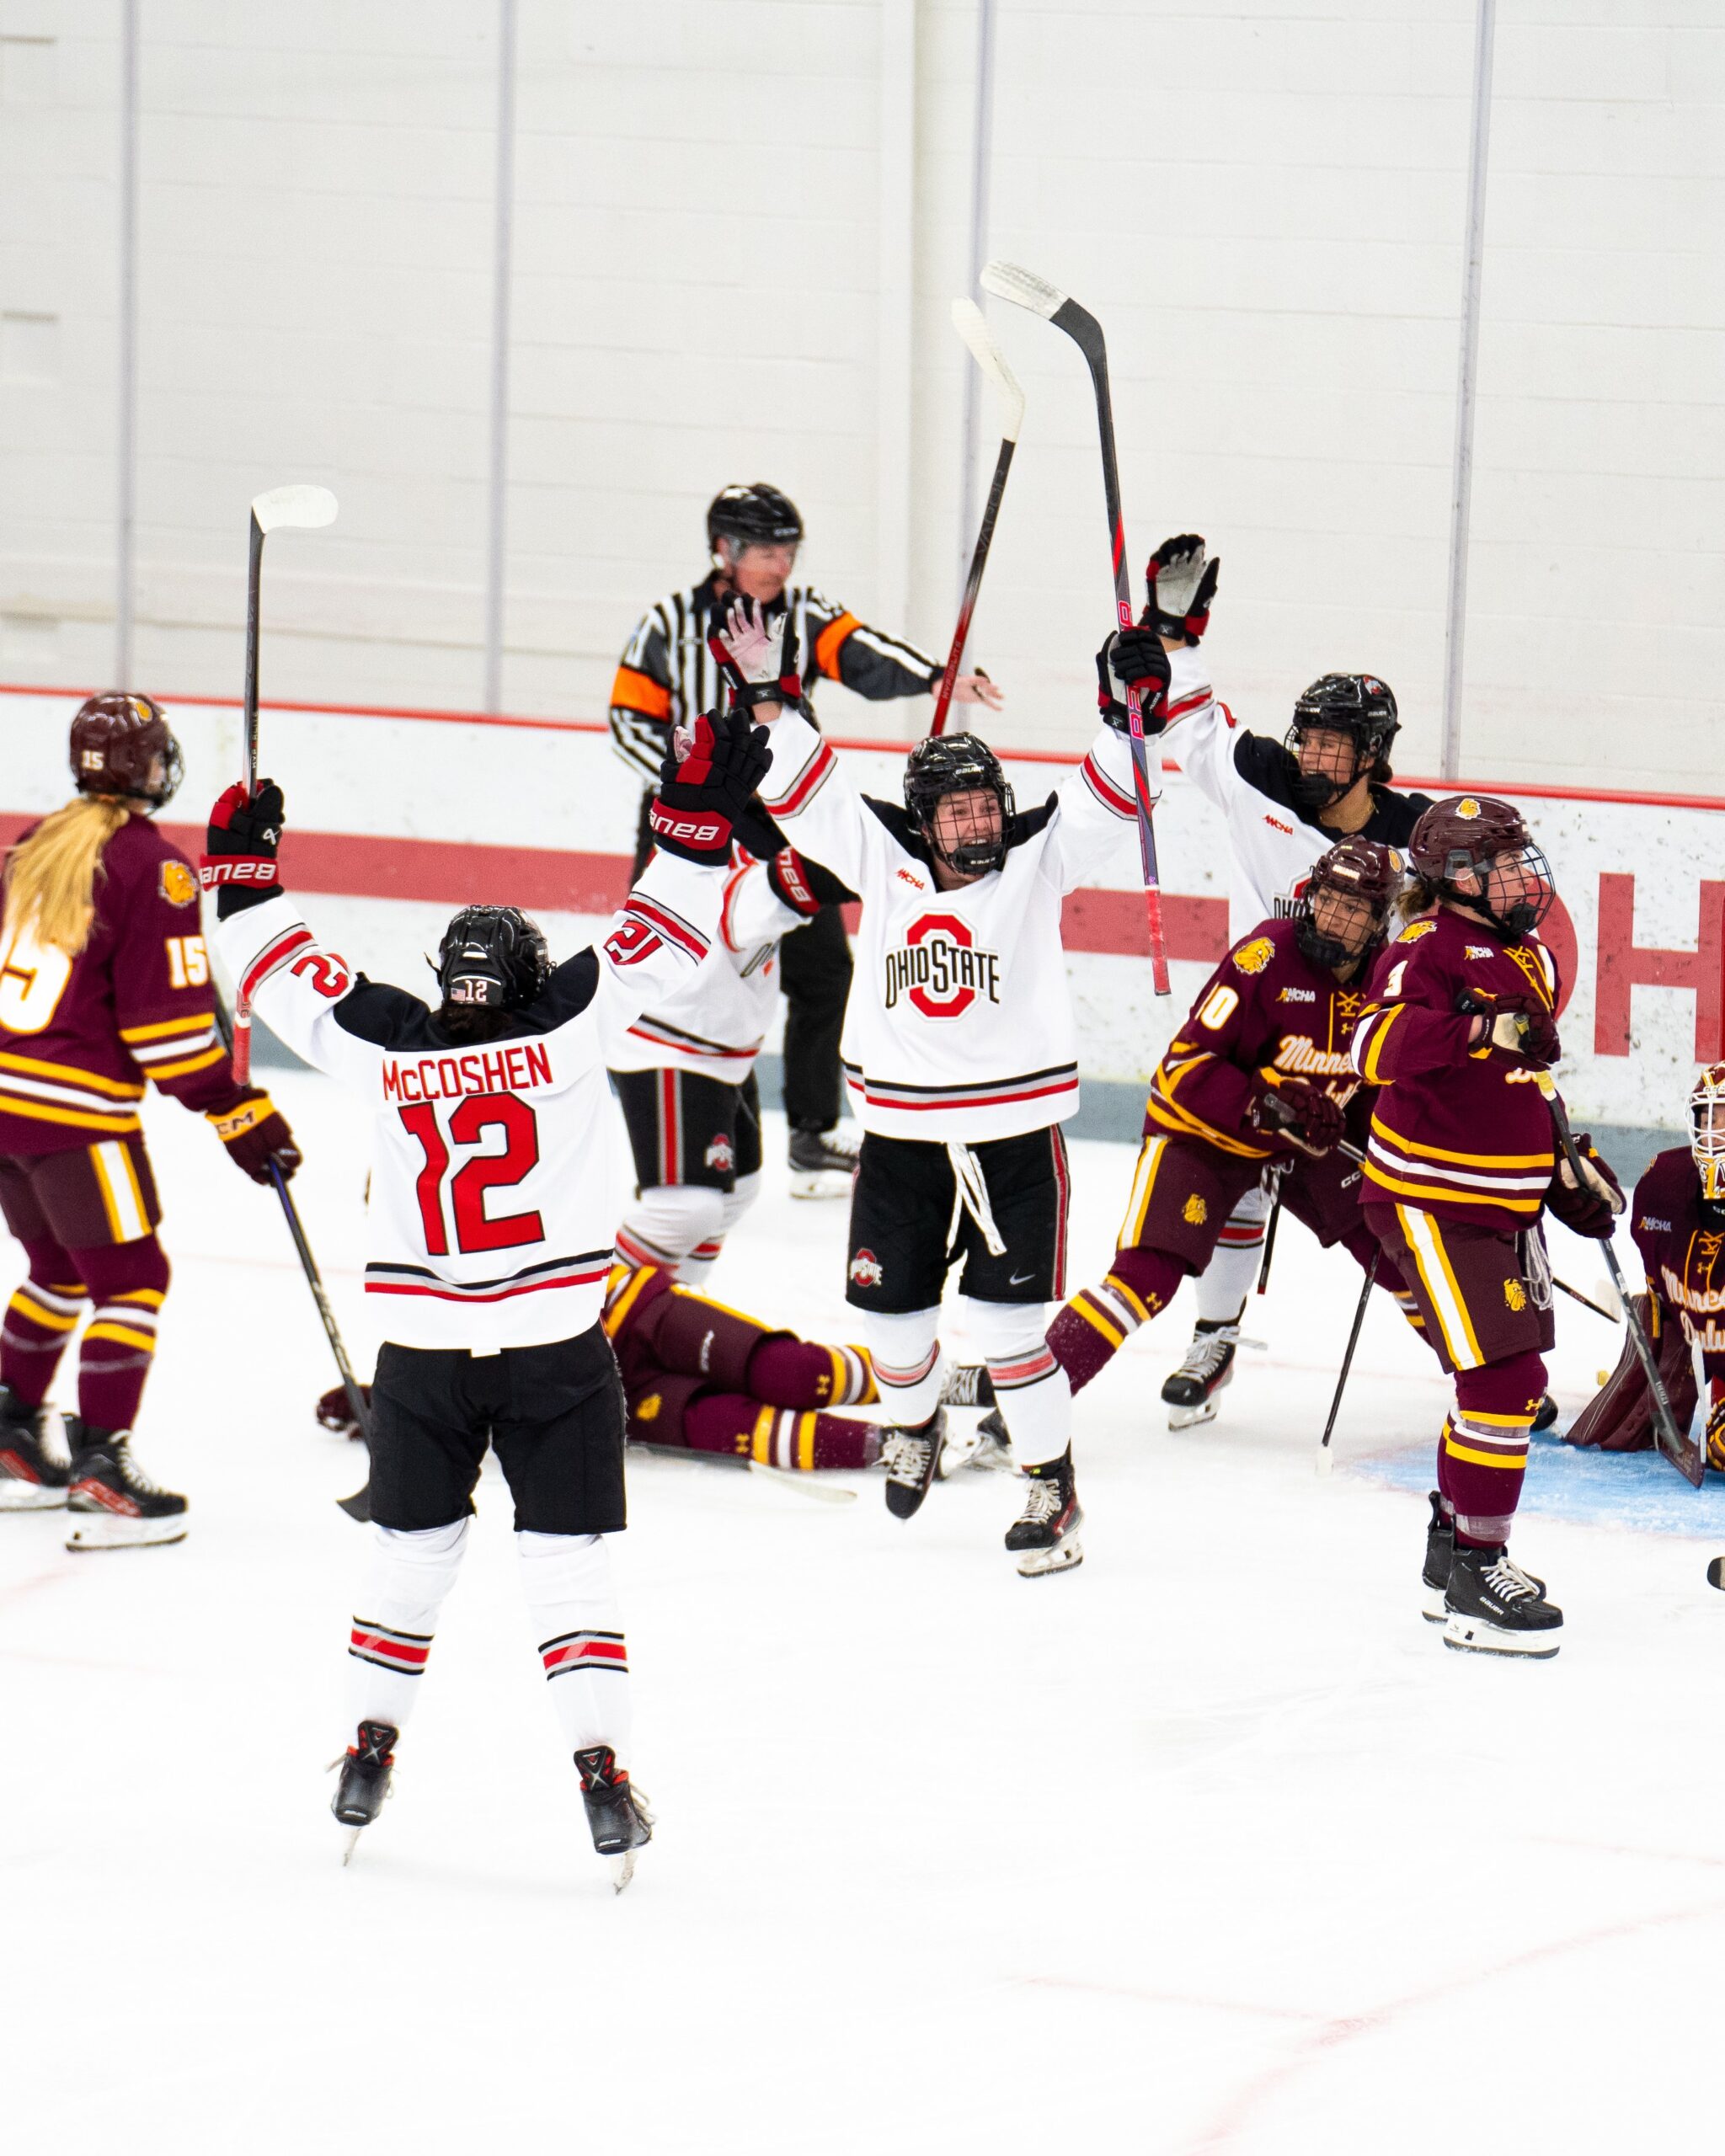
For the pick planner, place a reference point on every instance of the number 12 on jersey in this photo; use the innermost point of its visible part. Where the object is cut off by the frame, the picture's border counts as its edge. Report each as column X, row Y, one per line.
column 452, row 1192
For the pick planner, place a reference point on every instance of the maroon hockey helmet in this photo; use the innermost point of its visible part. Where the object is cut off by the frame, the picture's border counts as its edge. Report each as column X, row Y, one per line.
column 118, row 741
column 1473, row 835
column 1366, row 877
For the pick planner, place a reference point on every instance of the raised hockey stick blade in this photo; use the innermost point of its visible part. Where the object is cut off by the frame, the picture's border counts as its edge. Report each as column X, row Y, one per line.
column 306, row 509
column 967, row 319
column 1025, row 288
column 1325, row 1458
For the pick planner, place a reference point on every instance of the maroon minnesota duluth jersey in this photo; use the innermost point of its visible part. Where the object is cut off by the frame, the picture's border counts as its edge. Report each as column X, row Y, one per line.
column 79, row 1037
column 1266, row 1008
column 1682, row 1246
column 1463, row 1133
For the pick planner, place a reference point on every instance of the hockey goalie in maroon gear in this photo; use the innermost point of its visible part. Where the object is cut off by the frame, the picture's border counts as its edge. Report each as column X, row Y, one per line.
column 1677, row 1217
column 1459, row 1033
column 105, row 985
column 1258, row 1077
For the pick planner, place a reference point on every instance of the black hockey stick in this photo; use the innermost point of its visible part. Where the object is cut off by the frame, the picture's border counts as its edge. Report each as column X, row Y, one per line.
column 358, row 1505
column 966, row 318
column 1025, row 288
column 305, row 509
column 1325, row 1458
column 1269, row 1233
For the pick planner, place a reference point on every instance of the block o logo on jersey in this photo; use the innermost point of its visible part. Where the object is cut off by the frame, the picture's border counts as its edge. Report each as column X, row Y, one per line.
column 865, row 1269
column 180, row 886
column 940, row 972
column 719, row 1154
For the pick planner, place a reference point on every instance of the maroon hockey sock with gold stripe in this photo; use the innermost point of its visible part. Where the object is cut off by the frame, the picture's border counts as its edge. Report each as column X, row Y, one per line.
column 40, row 1321
column 1482, row 1453
column 791, row 1373
column 1086, row 1336
column 777, row 1437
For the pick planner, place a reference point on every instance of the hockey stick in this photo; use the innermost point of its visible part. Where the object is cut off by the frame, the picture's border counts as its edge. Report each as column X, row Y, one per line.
column 1023, row 288
column 1683, row 1453
column 967, row 319
column 305, row 509
column 357, row 1507
column 1269, row 1236
column 1325, row 1458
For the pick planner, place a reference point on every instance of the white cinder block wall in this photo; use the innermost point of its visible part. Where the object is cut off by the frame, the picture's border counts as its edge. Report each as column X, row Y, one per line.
column 1265, row 203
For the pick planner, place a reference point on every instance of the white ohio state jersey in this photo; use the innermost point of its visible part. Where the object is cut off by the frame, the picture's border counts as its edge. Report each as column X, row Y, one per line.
column 959, row 1024
column 714, row 1025
column 1272, row 842
column 490, row 1221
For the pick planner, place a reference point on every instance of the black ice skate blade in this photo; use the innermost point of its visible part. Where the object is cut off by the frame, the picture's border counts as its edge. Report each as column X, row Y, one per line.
column 1716, row 1572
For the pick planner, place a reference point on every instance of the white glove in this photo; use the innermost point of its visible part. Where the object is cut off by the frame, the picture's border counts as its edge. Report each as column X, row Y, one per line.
column 1178, row 579
column 1595, row 1180
column 756, row 644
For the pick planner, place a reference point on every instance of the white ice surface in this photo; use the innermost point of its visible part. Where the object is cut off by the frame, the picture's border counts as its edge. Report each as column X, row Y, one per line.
column 1209, row 1846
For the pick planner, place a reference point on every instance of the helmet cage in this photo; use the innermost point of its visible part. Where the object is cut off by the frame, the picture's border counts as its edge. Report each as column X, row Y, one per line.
column 1522, row 915
column 1706, row 1131
column 958, row 763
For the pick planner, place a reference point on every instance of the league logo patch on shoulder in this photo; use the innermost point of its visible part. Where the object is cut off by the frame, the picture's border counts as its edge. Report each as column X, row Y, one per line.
column 865, row 1269
column 1415, row 930
column 1253, row 957
column 720, row 1156
column 178, row 886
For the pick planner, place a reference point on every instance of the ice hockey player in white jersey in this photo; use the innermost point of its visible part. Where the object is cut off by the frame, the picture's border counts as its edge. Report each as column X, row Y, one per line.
column 685, row 1070
column 959, row 1048
column 1285, row 804
column 490, row 1231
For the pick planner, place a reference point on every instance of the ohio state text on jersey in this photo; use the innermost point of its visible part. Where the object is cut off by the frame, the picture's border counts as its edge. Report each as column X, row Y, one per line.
column 491, row 1216
column 959, row 1024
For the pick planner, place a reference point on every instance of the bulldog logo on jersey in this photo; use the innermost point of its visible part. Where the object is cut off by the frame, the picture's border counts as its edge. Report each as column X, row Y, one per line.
column 940, row 972
column 1514, row 1294
column 1253, row 957
column 865, row 1269
column 720, row 1155
column 180, row 886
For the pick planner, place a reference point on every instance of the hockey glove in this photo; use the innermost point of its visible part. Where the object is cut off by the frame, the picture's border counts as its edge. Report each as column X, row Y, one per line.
column 1590, row 1208
column 257, row 1137
column 1516, row 1023
column 239, row 857
column 1305, row 1116
column 804, row 886
column 1133, row 658
column 334, row 1412
column 761, row 646
column 1180, row 585
column 709, row 775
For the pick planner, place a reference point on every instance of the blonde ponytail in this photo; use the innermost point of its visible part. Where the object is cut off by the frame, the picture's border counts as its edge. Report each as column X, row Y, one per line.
column 50, row 879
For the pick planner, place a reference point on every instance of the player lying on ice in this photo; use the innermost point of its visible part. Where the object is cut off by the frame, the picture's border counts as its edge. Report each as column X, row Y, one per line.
column 104, row 985
column 1677, row 1216
column 1259, row 1077
column 490, row 1236
column 1458, row 1033
column 959, row 1046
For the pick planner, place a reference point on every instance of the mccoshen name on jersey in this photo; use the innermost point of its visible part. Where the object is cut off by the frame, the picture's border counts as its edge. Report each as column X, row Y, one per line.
column 513, row 1070
column 939, row 970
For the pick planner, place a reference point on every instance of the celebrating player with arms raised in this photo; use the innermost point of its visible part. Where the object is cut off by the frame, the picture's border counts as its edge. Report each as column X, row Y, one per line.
column 960, row 1046
column 491, row 1234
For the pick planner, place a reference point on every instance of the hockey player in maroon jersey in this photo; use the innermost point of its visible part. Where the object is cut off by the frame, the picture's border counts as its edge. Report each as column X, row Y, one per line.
column 1259, row 1074
column 1459, row 1032
column 1677, row 1216
column 105, row 985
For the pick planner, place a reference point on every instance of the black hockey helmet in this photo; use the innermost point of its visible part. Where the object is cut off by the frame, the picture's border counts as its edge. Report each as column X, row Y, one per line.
column 492, row 957
column 116, row 739
column 1473, row 834
column 1357, row 870
column 1358, row 705
column 958, row 763
column 754, row 515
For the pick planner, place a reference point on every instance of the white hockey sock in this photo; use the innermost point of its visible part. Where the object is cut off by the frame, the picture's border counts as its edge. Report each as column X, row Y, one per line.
column 566, row 1580
column 1231, row 1275
column 409, row 1574
column 677, row 1225
column 908, row 1365
column 693, row 1270
column 1031, row 1390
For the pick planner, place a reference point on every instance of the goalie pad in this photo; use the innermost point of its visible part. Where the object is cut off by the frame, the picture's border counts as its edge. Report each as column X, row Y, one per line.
column 1620, row 1416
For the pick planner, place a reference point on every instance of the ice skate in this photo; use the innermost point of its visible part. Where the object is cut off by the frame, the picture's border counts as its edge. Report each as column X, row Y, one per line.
column 31, row 1479
column 823, row 1164
column 113, row 1504
column 1440, row 1557
column 1493, row 1607
column 994, row 1446
column 912, row 1460
column 1045, row 1536
column 967, row 1385
column 1209, row 1365
column 616, row 1811
column 365, row 1776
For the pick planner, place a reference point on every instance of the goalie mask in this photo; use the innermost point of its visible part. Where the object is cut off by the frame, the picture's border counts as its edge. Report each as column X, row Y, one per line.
column 1472, row 835
column 493, row 958
column 948, row 764
column 1344, row 909
column 1706, row 1131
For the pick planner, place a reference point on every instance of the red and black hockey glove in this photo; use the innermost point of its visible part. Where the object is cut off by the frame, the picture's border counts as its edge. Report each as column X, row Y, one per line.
column 335, row 1411
column 1516, row 1023
column 1590, row 1207
column 1307, row 1117
column 709, row 775
column 804, row 886
column 256, row 1135
column 1133, row 658
column 238, row 861
column 1180, row 585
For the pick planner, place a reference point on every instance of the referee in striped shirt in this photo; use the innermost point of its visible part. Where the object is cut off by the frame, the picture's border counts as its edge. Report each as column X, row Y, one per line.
column 667, row 676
